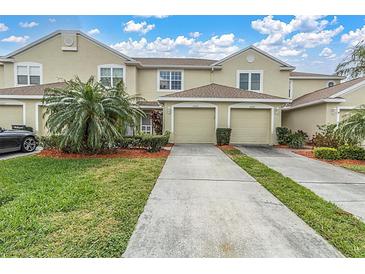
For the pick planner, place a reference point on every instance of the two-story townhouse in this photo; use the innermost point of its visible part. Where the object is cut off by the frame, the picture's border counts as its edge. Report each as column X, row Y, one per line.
column 245, row 91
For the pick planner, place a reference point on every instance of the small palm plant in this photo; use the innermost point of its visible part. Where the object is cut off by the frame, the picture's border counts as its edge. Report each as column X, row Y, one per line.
column 352, row 128
column 353, row 66
column 88, row 116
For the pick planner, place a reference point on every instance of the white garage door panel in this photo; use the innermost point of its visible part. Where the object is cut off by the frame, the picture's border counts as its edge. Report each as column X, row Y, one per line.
column 250, row 126
column 194, row 125
column 10, row 115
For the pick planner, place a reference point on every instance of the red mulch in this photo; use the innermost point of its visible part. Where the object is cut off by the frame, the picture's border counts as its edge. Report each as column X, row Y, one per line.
column 119, row 153
column 228, row 147
column 309, row 154
column 169, row 145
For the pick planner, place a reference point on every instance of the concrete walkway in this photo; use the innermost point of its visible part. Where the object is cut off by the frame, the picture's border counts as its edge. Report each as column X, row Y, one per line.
column 343, row 187
column 204, row 205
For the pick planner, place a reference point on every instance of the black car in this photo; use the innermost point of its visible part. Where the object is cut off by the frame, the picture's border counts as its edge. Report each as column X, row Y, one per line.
column 17, row 140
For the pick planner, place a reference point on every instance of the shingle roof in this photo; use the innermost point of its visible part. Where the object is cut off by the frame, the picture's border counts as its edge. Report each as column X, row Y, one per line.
column 30, row 90
column 175, row 61
column 309, row 74
column 219, row 91
column 324, row 93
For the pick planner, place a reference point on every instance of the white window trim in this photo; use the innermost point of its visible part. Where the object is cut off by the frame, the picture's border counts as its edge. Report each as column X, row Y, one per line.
column 112, row 66
column 28, row 64
column 170, row 90
column 291, row 89
column 261, row 72
column 193, row 105
column 142, row 125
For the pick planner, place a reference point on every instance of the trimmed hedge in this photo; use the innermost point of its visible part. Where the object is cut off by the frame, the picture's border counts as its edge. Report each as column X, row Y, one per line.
column 297, row 140
column 223, row 136
column 283, row 135
column 351, row 152
column 152, row 143
column 326, row 153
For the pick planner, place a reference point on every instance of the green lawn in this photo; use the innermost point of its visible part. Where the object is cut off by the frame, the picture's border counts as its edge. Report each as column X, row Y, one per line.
column 74, row 207
column 340, row 228
column 358, row 168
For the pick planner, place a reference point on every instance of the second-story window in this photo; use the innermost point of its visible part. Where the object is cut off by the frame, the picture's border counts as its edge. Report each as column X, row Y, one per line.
column 249, row 80
column 28, row 74
column 111, row 75
column 170, row 80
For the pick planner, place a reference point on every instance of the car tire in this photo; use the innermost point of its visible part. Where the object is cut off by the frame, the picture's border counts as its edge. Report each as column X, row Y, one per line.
column 29, row 144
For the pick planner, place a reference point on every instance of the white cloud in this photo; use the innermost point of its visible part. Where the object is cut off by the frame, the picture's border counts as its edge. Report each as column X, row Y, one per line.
column 334, row 20
column 3, row 27
column 353, row 37
column 141, row 27
column 52, row 20
column 215, row 47
column 93, row 31
column 16, row 39
column 195, row 34
column 155, row 16
column 293, row 38
column 28, row 25
column 327, row 53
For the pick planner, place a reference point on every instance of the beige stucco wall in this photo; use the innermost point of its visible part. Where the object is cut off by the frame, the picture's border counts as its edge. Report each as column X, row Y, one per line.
column 222, row 114
column 305, row 119
column 304, row 86
column 1, row 76
column 275, row 82
column 58, row 64
column 147, row 81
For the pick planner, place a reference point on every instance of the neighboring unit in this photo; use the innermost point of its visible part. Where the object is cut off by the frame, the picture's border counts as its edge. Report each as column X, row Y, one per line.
column 245, row 91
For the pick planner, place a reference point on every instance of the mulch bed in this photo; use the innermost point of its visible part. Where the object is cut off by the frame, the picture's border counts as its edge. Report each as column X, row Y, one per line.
column 227, row 147
column 309, row 153
column 119, row 153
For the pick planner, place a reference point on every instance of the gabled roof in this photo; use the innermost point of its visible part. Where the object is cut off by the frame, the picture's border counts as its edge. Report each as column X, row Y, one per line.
column 35, row 91
column 327, row 95
column 57, row 32
column 309, row 75
column 215, row 92
column 283, row 64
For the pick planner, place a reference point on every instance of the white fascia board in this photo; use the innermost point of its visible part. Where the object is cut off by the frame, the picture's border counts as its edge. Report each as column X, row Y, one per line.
column 180, row 67
column 328, row 100
column 150, row 107
column 352, row 88
column 6, row 60
column 21, row 96
column 196, row 99
column 317, row 77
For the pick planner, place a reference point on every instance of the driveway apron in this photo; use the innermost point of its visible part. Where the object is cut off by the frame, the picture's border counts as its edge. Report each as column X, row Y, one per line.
column 343, row 187
column 204, row 205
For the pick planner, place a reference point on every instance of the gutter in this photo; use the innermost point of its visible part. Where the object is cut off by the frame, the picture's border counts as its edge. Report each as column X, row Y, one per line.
column 198, row 99
column 321, row 101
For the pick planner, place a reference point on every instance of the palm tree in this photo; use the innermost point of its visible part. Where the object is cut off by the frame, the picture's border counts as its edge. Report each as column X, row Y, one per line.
column 89, row 116
column 353, row 66
column 352, row 128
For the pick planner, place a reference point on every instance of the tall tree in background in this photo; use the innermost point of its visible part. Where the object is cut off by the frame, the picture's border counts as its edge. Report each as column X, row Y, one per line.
column 353, row 66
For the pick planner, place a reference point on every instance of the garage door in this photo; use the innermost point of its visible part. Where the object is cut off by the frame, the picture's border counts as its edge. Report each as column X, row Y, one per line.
column 42, row 130
column 250, row 126
column 10, row 115
column 194, row 125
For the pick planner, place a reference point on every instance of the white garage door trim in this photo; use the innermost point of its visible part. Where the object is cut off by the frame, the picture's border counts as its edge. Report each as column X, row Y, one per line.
column 37, row 105
column 16, row 104
column 193, row 105
column 338, row 112
column 250, row 106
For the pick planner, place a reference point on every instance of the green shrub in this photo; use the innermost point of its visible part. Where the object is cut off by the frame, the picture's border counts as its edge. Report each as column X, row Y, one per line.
column 223, row 136
column 326, row 136
column 296, row 140
column 153, row 143
column 283, row 135
column 327, row 153
column 351, row 152
column 50, row 142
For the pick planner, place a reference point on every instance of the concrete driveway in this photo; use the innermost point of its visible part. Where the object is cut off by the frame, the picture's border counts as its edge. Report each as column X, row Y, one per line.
column 343, row 187
column 11, row 155
column 204, row 205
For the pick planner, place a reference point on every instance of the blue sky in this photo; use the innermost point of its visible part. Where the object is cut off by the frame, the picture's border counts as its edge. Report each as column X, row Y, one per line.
column 311, row 43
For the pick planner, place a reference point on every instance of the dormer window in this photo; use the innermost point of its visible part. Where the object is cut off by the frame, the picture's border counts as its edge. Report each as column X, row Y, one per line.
column 250, row 80
column 28, row 74
column 110, row 75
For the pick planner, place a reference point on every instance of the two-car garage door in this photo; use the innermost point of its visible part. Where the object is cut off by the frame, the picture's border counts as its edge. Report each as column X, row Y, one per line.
column 197, row 125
